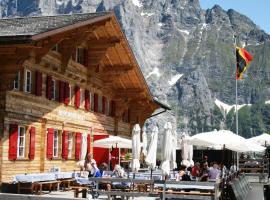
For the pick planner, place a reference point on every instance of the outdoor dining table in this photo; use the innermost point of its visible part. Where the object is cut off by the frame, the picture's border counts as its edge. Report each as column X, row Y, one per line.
column 31, row 178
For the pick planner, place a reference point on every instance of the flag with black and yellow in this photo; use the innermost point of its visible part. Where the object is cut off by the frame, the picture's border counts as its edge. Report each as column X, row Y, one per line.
column 243, row 58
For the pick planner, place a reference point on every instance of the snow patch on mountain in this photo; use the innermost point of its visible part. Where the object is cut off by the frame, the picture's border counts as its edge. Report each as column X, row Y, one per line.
column 154, row 72
column 174, row 79
column 226, row 108
column 267, row 102
column 137, row 3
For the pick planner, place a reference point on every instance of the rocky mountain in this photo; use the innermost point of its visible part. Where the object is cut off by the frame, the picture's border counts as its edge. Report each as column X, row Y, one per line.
column 187, row 56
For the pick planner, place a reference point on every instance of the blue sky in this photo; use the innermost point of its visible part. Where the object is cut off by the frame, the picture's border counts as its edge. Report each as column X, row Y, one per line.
column 257, row 10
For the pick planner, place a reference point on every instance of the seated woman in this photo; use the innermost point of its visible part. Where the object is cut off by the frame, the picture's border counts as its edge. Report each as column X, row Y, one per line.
column 118, row 172
column 96, row 171
column 182, row 175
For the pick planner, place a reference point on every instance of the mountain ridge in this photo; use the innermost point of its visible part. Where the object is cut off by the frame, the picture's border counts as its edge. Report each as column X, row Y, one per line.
column 177, row 37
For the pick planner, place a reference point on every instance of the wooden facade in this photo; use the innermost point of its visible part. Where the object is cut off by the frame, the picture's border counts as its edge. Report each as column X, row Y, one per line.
column 62, row 82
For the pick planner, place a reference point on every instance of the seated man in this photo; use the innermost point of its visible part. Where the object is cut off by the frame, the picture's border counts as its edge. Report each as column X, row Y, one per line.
column 85, row 166
column 214, row 172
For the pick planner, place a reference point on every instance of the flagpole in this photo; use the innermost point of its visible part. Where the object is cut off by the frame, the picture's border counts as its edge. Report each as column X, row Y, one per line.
column 236, row 104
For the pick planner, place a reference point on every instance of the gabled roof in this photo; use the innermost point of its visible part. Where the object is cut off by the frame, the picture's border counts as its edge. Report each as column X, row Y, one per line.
column 16, row 29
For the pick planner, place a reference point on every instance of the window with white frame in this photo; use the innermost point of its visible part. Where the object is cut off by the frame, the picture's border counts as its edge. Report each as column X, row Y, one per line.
column 91, row 101
column 28, row 81
column 82, row 98
column 55, row 143
column 70, row 144
column 53, row 89
column 79, row 55
column 16, row 82
column 21, row 142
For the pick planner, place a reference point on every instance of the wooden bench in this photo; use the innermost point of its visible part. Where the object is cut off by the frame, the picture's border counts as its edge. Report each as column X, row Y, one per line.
column 50, row 184
column 79, row 189
column 66, row 183
column 25, row 186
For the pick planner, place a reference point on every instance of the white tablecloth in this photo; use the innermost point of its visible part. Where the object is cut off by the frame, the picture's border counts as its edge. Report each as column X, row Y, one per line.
column 182, row 186
column 64, row 175
column 34, row 177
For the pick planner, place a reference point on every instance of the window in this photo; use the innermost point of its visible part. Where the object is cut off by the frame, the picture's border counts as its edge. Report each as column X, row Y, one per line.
column 21, row 142
column 70, row 95
column 55, row 143
column 70, row 144
column 100, row 104
column 53, row 89
column 28, row 81
column 82, row 98
column 79, row 55
column 91, row 101
column 56, row 48
column 107, row 112
column 16, row 82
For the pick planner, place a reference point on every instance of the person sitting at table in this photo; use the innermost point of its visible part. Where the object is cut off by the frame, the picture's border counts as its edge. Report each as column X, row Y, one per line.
column 214, row 172
column 182, row 175
column 195, row 171
column 103, row 167
column 96, row 171
column 86, row 166
column 204, row 171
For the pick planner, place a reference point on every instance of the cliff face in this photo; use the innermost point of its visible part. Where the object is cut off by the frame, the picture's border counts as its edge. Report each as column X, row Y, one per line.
column 186, row 55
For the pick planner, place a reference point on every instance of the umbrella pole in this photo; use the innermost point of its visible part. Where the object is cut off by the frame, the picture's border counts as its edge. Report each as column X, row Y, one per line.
column 151, row 173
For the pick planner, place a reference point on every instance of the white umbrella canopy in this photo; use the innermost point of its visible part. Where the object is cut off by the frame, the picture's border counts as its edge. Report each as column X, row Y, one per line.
column 263, row 139
column 144, row 143
column 185, row 149
column 167, row 149
column 173, row 154
column 152, row 150
column 224, row 138
column 136, row 147
column 113, row 141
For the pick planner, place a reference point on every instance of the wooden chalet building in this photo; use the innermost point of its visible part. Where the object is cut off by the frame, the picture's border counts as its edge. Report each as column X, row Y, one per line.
column 63, row 78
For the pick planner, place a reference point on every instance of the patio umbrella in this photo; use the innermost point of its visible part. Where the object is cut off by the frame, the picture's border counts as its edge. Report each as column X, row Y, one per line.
column 136, row 147
column 152, row 150
column 167, row 149
column 185, row 150
column 144, row 143
column 84, row 146
column 263, row 139
column 224, row 138
column 190, row 155
column 113, row 141
column 173, row 155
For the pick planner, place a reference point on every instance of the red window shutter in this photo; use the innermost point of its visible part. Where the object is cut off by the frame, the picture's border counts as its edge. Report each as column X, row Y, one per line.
column 61, row 91
column 13, row 141
column 87, row 100
column 112, row 108
column 66, row 93
column 77, row 97
column 49, row 87
column 38, row 88
column 32, row 143
column 95, row 102
column 88, row 143
column 65, row 145
column 104, row 105
column 78, row 142
column 50, row 143
column 85, row 53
